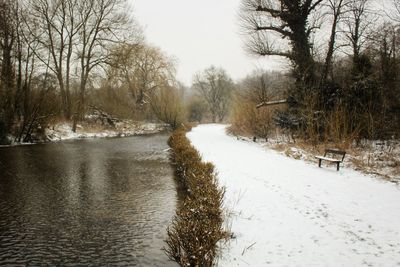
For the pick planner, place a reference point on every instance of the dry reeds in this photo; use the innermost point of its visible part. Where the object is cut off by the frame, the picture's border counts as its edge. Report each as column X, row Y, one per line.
column 197, row 226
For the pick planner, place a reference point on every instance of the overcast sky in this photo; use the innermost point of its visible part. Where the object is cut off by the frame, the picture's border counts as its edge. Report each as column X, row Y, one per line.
column 198, row 33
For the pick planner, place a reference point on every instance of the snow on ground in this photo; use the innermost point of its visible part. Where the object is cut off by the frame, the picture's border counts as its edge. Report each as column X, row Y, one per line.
column 286, row 212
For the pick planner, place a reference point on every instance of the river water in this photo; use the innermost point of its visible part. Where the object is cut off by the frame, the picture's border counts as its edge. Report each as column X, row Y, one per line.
column 100, row 202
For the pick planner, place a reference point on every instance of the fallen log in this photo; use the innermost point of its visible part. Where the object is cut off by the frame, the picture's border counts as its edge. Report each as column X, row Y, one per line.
column 271, row 103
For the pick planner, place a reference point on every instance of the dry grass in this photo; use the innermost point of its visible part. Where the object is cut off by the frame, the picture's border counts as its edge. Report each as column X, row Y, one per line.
column 381, row 158
column 197, row 226
column 382, row 161
column 247, row 119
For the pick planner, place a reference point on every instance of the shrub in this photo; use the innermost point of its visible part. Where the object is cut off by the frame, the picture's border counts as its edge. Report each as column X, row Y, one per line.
column 197, row 226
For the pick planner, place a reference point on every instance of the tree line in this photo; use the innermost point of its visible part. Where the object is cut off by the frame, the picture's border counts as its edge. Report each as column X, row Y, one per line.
column 344, row 77
column 58, row 57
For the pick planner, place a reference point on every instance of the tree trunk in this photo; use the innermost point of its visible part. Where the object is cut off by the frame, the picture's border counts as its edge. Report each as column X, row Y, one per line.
column 332, row 40
column 7, row 78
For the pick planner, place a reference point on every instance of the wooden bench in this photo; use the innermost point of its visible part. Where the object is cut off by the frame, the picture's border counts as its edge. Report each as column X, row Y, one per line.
column 332, row 159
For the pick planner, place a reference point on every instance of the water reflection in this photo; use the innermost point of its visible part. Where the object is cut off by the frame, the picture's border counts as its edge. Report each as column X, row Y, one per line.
column 95, row 202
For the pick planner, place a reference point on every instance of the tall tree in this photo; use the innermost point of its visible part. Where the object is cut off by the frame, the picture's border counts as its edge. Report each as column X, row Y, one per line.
column 336, row 10
column 289, row 20
column 142, row 69
column 358, row 23
column 385, row 45
column 58, row 28
column 7, row 75
column 105, row 23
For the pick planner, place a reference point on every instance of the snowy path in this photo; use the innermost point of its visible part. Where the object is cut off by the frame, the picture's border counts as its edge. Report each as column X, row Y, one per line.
column 289, row 213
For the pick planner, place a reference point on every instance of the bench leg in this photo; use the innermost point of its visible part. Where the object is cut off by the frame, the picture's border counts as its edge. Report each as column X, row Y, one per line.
column 319, row 163
column 337, row 166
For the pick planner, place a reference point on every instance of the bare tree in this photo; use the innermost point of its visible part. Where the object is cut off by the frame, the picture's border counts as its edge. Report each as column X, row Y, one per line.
column 7, row 43
column 79, row 35
column 58, row 29
column 26, row 50
column 215, row 88
column 385, row 47
column 336, row 8
column 104, row 23
column 269, row 21
column 393, row 12
column 357, row 25
column 263, row 86
column 18, row 63
column 142, row 69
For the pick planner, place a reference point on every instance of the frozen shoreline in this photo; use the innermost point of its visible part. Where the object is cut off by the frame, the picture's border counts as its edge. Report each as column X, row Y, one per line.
column 287, row 212
column 63, row 132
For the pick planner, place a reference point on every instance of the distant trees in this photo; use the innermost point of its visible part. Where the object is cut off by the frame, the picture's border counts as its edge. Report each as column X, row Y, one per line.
column 196, row 108
column 215, row 87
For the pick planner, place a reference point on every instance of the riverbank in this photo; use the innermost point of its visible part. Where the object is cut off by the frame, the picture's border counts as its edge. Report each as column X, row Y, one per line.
column 285, row 212
column 62, row 131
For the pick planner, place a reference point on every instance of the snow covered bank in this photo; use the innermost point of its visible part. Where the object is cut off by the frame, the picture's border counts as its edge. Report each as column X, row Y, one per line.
column 287, row 212
column 63, row 131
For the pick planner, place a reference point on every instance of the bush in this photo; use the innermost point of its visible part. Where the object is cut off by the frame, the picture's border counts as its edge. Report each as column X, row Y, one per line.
column 197, row 226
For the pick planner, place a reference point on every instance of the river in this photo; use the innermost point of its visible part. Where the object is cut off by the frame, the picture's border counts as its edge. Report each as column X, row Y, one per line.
column 99, row 202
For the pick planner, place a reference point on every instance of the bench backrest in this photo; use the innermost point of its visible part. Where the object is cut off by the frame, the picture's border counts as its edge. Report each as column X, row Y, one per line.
column 335, row 152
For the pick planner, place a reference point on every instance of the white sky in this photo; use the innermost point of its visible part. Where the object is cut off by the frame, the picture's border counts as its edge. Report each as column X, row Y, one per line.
column 198, row 33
